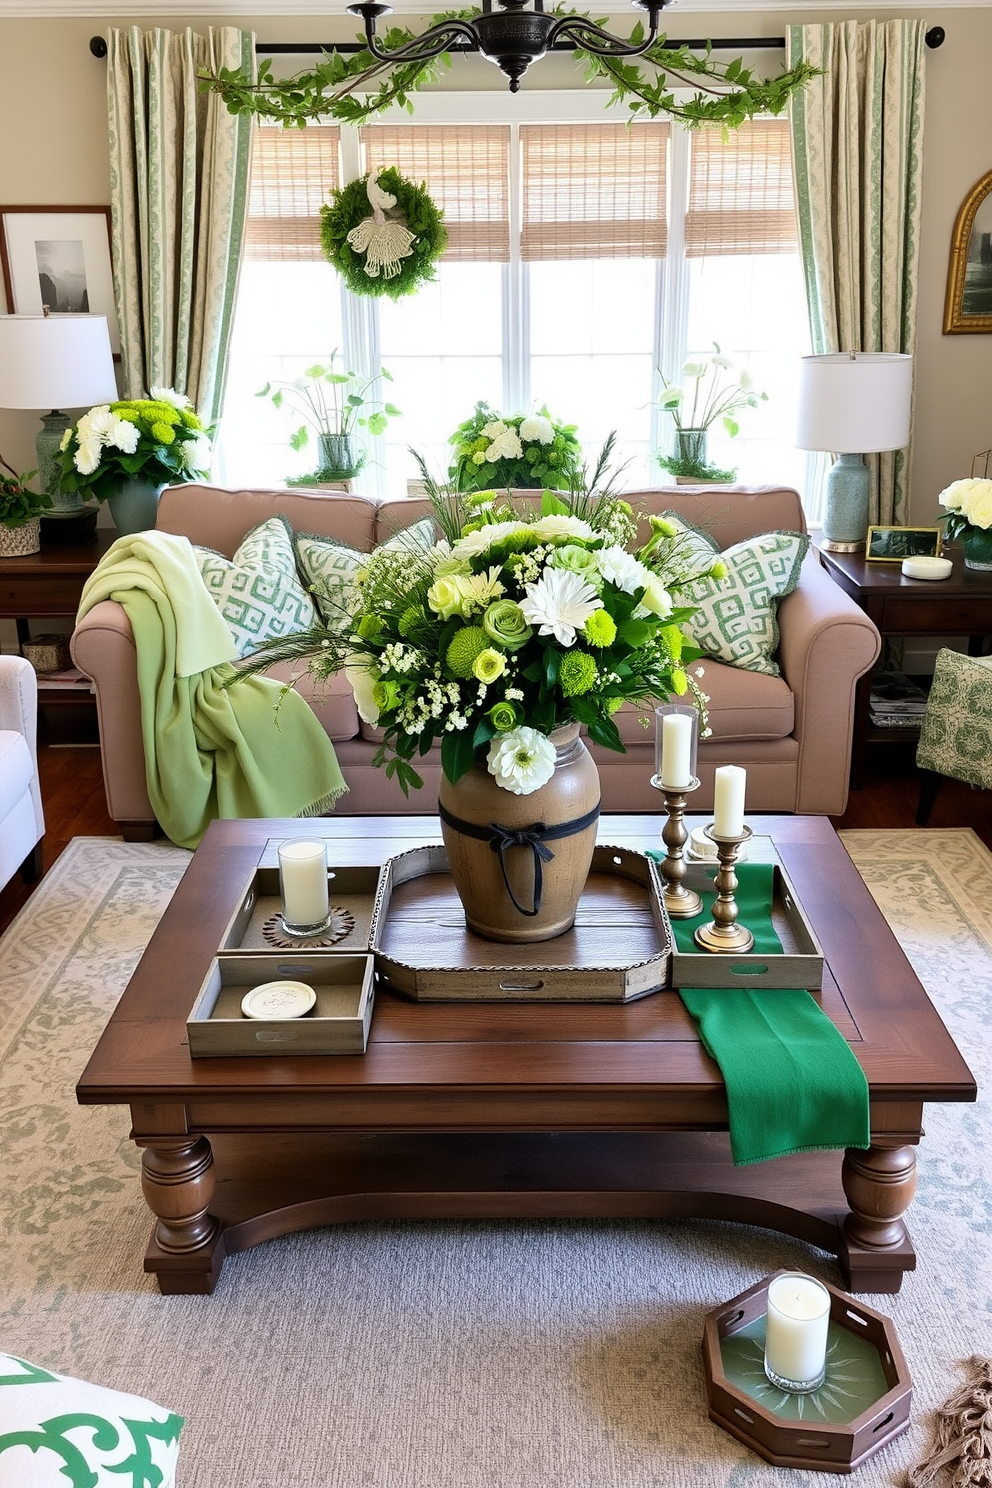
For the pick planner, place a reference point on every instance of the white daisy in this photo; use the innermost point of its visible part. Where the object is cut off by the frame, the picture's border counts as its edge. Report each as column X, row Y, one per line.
column 522, row 760
column 169, row 395
column 559, row 603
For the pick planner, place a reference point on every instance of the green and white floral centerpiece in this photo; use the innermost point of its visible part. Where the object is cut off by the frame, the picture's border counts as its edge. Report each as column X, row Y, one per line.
column 705, row 396
column 528, row 618
column 525, row 451
column 969, row 518
column 126, row 453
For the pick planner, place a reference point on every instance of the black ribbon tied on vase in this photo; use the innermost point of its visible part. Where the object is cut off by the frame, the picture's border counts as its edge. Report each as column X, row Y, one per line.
column 536, row 836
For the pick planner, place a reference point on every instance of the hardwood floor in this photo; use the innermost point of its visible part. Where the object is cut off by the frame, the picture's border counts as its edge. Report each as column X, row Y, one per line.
column 75, row 805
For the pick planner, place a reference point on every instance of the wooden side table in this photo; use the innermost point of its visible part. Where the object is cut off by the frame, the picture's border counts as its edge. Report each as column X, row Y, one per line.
column 49, row 585
column 958, row 606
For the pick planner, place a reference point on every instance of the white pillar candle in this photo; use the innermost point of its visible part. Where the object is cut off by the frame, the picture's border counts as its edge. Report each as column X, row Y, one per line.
column 796, row 1329
column 676, row 750
column 728, row 800
column 303, row 881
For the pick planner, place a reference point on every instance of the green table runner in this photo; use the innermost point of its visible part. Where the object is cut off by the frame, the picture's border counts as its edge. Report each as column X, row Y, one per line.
column 793, row 1083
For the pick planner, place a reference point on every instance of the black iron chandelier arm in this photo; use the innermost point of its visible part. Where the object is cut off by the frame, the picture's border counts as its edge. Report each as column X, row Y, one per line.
column 422, row 48
column 589, row 37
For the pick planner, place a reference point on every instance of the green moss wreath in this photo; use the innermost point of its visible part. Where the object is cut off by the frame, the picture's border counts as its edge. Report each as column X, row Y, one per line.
column 350, row 207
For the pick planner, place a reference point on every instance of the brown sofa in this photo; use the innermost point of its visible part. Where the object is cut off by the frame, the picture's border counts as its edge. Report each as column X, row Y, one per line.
column 792, row 733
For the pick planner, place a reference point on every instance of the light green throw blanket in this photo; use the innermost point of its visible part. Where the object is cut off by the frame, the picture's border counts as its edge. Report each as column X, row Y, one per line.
column 210, row 751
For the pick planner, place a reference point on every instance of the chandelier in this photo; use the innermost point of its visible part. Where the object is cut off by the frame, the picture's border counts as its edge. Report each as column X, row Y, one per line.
column 513, row 36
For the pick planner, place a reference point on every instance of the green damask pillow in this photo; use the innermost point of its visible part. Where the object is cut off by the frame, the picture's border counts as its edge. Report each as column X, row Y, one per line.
column 737, row 617
column 258, row 591
column 54, row 1429
column 330, row 569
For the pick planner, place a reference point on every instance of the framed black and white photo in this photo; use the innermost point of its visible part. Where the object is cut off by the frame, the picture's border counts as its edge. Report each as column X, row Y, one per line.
column 58, row 258
column 893, row 544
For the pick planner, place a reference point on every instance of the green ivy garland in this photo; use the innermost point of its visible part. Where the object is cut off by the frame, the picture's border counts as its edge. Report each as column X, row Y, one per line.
column 355, row 88
column 350, row 206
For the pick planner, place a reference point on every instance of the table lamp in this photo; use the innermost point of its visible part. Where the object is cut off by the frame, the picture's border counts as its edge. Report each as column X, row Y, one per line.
column 853, row 404
column 55, row 362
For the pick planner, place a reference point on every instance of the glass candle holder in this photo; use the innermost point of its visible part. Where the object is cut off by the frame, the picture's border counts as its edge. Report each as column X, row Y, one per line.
column 796, row 1333
column 303, row 886
column 676, row 739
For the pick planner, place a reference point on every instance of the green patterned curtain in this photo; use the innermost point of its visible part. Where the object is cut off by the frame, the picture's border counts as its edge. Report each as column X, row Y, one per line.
column 857, row 134
column 179, row 189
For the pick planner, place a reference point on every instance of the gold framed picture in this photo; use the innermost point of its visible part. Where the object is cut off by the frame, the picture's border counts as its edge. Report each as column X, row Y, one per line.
column 968, row 303
column 893, row 544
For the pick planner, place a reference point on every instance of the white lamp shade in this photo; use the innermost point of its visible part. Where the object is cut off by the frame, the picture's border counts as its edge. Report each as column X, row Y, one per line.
column 855, row 404
column 55, row 361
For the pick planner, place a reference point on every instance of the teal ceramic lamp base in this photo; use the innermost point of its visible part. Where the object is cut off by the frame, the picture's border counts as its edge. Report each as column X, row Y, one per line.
column 845, row 517
column 47, row 442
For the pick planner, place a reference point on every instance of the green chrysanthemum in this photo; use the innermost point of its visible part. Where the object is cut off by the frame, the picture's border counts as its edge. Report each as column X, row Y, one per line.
column 409, row 620
column 466, row 645
column 680, row 682
column 576, row 673
column 600, row 629
column 674, row 640
column 164, row 433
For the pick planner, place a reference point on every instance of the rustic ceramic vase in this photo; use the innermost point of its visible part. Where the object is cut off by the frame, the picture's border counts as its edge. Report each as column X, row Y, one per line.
column 519, row 880
column 977, row 545
column 134, row 507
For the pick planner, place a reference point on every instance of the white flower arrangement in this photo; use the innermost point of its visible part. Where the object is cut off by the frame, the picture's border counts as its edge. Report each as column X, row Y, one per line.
column 969, row 504
column 160, row 439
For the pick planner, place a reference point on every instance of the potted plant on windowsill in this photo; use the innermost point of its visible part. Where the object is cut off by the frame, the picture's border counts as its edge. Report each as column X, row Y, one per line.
column 20, row 513
column 332, row 405
column 703, row 399
column 523, row 451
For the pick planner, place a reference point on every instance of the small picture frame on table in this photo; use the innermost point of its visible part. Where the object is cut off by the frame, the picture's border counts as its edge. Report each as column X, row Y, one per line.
column 893, row 544
column 56, row 260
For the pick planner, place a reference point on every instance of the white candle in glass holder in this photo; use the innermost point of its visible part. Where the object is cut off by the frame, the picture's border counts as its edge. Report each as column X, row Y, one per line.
column 728, row 800
column 303, row 881
column 796, row 1329
column 676, row 750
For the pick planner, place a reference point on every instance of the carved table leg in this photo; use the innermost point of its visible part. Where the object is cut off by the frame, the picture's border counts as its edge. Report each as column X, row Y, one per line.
column 879, row 1182
column 177, row 1178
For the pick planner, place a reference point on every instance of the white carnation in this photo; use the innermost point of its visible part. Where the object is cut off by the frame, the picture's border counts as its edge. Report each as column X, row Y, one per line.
column 122, row 435
column 87, row 456
column 624, row 570
column 196, row 453
column 522, row 760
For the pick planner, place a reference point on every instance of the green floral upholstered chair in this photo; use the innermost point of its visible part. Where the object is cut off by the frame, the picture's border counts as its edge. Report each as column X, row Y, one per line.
column 956, row 737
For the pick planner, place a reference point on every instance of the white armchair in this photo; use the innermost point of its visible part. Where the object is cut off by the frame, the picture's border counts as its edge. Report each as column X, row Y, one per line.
column 22, row 822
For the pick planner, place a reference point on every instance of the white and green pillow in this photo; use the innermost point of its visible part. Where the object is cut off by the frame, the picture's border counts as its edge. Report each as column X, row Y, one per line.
column 737, row 617
column 258, row 591
column 54, row 1429
column 330, row 569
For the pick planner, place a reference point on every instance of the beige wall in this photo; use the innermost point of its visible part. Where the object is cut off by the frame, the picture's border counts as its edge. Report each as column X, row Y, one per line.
column 53, row 150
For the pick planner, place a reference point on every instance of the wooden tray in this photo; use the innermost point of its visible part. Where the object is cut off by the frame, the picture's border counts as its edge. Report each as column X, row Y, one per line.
column 618, row 949
column 800, row 963
column 352, row 890
column 338, row 1024
column 864, row 1401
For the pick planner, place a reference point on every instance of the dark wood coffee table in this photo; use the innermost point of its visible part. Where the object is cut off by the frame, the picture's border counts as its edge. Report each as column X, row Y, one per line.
column 502, row 1110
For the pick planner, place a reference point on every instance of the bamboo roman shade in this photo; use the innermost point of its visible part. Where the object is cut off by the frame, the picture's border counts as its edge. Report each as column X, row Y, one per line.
column 293, row 172
column 594, row 190
column 466, row 169
column 741, row 194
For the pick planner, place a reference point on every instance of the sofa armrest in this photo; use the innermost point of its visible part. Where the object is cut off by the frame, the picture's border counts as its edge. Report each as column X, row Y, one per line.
column 826, row 644
column 102, row 646
column 19, row 715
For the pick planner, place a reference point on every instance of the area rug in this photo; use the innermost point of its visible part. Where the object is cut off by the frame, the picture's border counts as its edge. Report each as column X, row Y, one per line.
column 444, row 1355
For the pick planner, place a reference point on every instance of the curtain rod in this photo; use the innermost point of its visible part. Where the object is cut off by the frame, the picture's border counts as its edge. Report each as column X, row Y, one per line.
column 934, row 38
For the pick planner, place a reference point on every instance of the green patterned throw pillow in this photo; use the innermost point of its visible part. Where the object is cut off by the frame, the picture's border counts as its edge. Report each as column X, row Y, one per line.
column 737, row 617
column 54, row 1429
column 258, row 591
column 330, row 569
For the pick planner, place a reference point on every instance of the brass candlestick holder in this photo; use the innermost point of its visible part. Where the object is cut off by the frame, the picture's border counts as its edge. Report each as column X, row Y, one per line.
column 723, row 932
column 681, row 903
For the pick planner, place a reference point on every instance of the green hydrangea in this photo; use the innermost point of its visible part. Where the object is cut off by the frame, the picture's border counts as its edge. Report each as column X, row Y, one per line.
column 600, row 629
column 465, row 646
column 576, row 673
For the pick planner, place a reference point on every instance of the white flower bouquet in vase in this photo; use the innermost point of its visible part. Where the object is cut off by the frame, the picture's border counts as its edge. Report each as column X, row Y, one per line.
column 706, row 396
column 969, row 519
column 528, row 619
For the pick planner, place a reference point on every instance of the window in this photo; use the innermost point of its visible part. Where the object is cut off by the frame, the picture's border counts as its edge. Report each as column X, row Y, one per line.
column 583, row 256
